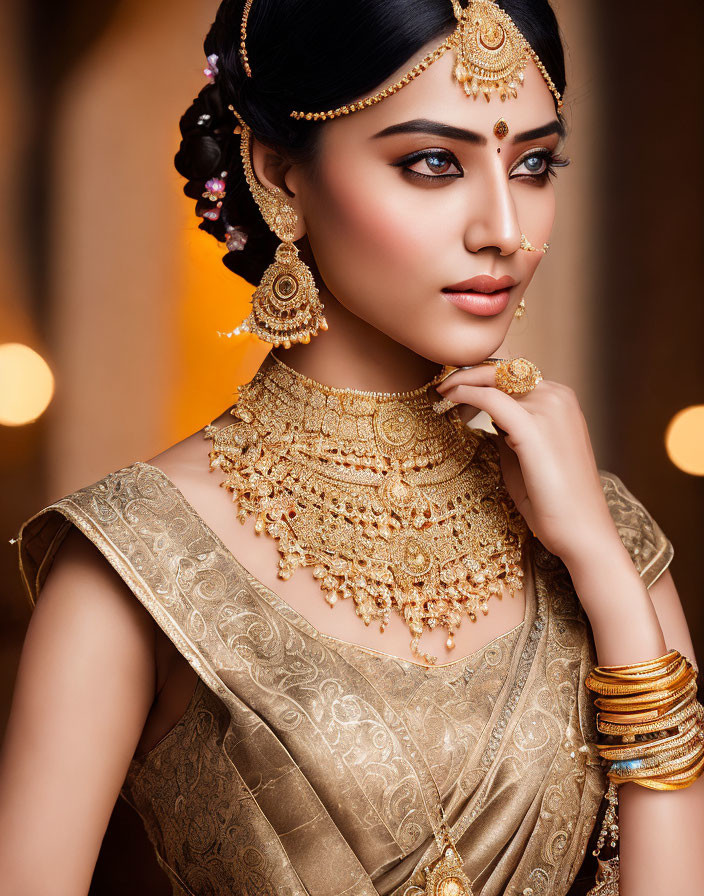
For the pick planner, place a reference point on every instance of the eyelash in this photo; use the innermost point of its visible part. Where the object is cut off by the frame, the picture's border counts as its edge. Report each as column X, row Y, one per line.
column 552, row 159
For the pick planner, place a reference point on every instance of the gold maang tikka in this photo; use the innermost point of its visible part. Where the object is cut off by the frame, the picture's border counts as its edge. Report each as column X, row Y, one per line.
column 490, row 54
column 286, row 306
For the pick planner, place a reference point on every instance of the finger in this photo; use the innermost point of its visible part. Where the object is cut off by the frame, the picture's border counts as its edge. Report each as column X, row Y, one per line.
column 507, row 413
column 466, row 411
column 486, row 376
column 478, row 375
column 487, row 361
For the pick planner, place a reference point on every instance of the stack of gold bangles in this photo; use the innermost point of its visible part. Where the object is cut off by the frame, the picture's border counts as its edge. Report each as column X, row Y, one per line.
column 655, row 723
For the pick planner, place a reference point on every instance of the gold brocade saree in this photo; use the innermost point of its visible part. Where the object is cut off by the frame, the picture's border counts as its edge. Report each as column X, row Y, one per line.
column 301, row 765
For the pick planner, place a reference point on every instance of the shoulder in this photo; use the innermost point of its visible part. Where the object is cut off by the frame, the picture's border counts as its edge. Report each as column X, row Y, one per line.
column 186, row 463
column 85, row 682
column 92, row 532
column 83, row 590
column 646, row 542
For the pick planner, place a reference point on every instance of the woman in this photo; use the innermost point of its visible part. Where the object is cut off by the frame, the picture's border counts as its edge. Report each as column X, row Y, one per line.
column 381, row 172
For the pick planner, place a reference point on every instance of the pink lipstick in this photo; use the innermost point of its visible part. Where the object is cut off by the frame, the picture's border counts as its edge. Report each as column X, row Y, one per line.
column 483, row 295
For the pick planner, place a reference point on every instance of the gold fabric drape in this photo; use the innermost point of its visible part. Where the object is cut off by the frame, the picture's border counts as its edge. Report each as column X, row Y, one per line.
column 301, row 765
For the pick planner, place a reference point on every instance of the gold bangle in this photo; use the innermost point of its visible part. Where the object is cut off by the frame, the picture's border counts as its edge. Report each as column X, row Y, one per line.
column 633, row 703
column 682, row 670
column 679, row 762
column 677, row 781
column 685, row 709
column 647, row 747
column 666, row 706
column 645, row 665
column 617, row 672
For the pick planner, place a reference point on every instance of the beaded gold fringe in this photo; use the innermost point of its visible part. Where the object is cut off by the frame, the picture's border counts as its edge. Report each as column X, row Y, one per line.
column 391, row 504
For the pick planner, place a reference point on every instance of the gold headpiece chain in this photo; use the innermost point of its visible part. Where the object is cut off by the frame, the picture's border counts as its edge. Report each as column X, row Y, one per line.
column 490, row 54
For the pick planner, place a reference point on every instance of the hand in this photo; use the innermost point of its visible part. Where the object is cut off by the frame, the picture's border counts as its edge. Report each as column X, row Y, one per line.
column 546, row 458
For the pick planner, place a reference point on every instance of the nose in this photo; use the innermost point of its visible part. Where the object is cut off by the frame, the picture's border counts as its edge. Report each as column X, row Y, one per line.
column 493, row 220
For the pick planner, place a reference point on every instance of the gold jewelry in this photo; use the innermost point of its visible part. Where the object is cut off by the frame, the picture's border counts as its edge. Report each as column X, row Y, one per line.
column 527, row 245
column 448, row 369
column 517, row 375
column 444, row 405
column 645, row 699
column 501, row 129
column 444, row 876
column 490, row 54
column 447, row 878
column 286, row 306
column 391, row 504
column 521, row 309
column 243, row 39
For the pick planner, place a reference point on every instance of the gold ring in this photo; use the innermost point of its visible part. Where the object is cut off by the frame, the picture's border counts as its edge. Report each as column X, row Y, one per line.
column 448, row 370
column 517, row 375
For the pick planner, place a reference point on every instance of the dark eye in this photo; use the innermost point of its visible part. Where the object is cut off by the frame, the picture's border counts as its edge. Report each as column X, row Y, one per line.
column 439, row 161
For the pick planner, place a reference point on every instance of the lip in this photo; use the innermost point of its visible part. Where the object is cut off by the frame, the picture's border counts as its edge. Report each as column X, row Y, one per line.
column 484, row 283
column 483, row 295
column 480, row 303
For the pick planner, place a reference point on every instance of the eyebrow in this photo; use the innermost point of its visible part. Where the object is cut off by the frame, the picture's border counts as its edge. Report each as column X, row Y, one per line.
column 438, row 129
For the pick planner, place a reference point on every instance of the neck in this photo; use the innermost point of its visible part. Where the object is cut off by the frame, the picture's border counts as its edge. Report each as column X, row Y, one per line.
column 353, row 354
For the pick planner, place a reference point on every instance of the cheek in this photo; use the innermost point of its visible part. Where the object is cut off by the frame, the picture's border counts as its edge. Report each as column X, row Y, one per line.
column 361, row 223
column 535, row 209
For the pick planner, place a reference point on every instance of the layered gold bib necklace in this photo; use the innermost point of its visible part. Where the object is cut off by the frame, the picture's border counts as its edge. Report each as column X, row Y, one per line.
column 392, row 504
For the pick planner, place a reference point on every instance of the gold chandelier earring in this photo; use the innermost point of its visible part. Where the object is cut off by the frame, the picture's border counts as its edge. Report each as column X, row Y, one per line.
column 286, row 306
column 521, row 309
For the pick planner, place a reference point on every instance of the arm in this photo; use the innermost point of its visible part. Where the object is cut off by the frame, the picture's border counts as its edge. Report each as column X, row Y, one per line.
column 550, row 472
column 85, row 683
column 660, row 832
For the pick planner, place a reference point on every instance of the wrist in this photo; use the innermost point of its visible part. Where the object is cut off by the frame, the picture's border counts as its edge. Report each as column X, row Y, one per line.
column 604, row 576
column 621, row 614
column 602, row 543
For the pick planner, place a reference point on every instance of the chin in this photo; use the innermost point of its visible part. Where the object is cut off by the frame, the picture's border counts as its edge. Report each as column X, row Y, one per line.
column 454, row 351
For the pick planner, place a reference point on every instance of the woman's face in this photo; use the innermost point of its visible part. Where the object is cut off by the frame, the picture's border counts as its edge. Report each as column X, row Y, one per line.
column 417, row 194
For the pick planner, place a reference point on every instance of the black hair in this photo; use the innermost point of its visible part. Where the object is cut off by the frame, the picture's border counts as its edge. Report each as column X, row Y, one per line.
column 309, row 55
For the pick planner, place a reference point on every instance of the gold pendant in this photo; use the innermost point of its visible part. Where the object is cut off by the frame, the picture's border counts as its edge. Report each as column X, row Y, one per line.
column 447, row 877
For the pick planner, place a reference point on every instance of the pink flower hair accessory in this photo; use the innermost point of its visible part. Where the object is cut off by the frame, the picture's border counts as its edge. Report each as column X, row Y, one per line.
column 215, row 189
column 212, row 68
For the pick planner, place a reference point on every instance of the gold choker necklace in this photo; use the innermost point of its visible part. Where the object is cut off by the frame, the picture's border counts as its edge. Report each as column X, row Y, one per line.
column 392, row 504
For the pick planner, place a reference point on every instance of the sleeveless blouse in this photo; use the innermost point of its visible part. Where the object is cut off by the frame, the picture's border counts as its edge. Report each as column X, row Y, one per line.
column 302, row 765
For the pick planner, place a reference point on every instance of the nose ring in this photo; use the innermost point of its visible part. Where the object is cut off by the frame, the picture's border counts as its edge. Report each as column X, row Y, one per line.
column 526, row 244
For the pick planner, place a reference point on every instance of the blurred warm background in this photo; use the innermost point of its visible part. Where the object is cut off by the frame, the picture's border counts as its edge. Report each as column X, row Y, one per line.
column 111, row 297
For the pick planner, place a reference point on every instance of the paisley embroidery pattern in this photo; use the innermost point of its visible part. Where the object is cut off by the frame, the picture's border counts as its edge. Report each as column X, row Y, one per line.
column 301, row 763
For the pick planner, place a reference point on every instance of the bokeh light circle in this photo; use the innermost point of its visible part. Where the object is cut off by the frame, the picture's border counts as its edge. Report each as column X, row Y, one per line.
column 684, row 440
column 26, row 384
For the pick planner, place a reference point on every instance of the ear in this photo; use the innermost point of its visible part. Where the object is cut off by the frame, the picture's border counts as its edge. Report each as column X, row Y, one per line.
column 271, row 169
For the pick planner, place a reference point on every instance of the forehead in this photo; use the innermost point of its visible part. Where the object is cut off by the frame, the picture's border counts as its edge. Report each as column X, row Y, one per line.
column 436, row 94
